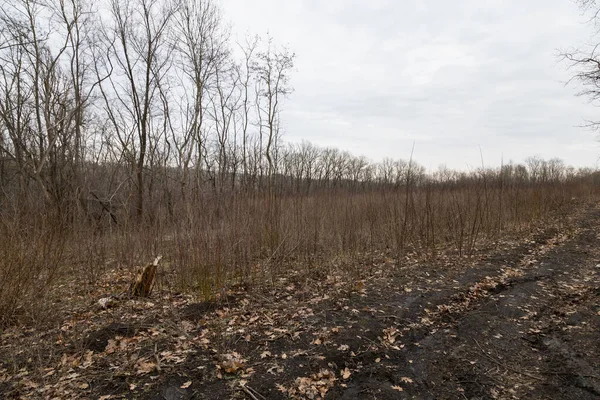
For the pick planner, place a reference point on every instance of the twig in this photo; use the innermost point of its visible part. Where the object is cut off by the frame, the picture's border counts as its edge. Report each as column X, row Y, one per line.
column 255, row 392
column 248, row 390
column 157, row 358
column 506, row 366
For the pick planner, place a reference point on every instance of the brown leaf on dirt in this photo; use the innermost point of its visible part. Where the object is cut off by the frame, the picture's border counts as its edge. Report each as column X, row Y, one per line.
column 87, row 359
column 231, row 363
column 111, row 347
column 345, row 373
column 265, row 354
column 186, row 385
column 314, row 387
column 70, row 361
column 144, row 366
column 390, row 335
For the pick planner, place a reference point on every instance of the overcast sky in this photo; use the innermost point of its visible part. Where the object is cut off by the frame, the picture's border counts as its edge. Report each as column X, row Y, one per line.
column 372, row 77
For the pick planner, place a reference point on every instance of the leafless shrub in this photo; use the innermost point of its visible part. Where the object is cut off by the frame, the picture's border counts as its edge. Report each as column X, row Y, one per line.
column 135, row 128
column 31, row 257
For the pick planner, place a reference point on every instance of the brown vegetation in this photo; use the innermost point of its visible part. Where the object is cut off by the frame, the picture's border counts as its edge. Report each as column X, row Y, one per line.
column 135, row 128
column 139, row 130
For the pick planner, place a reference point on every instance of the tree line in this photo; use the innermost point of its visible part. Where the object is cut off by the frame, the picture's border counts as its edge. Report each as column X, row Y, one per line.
column 144, row 85
column 149, row 104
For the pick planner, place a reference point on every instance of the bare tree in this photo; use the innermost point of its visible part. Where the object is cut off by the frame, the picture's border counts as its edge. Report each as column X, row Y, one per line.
column 138, row 59
column 244, row 71
column 535, row 167
column 590, row 6
column 201, row 49
column 586, row 62
column 224, row 104
column 272, row 69
column 45, row 90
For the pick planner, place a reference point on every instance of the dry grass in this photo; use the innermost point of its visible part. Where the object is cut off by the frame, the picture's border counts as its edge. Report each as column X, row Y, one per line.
column 242, row 237
column 31, row 256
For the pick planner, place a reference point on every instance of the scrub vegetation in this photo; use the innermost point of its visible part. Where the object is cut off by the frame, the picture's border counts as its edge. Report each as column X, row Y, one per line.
column 134, row 130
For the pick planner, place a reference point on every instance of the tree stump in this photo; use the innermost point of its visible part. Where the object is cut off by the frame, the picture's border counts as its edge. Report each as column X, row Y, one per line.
column 144, row 282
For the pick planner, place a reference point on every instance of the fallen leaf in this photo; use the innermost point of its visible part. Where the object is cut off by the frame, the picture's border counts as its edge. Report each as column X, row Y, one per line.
column 345, row 373
column 186, row 385
column 111, row 346
column 144, row 367
column 87, row 359
column 231, row 363
column 313, row 387
column 281, row 388
column 390, row 334
column 398, row 388
column 29, row 384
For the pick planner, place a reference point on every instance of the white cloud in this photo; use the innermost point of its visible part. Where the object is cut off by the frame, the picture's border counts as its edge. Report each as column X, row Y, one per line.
column 374, row 77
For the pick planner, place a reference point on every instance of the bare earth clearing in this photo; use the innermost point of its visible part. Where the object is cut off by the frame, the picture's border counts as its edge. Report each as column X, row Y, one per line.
column 521, row 320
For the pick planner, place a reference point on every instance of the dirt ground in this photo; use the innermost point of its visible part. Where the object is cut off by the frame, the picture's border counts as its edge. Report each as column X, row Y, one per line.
column 518, row 321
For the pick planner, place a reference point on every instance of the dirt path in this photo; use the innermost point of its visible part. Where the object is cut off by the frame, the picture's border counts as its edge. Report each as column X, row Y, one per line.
column 521, row 322
column 536, row 334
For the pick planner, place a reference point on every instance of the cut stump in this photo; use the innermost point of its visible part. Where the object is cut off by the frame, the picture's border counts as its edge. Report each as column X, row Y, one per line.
column 144, row 282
